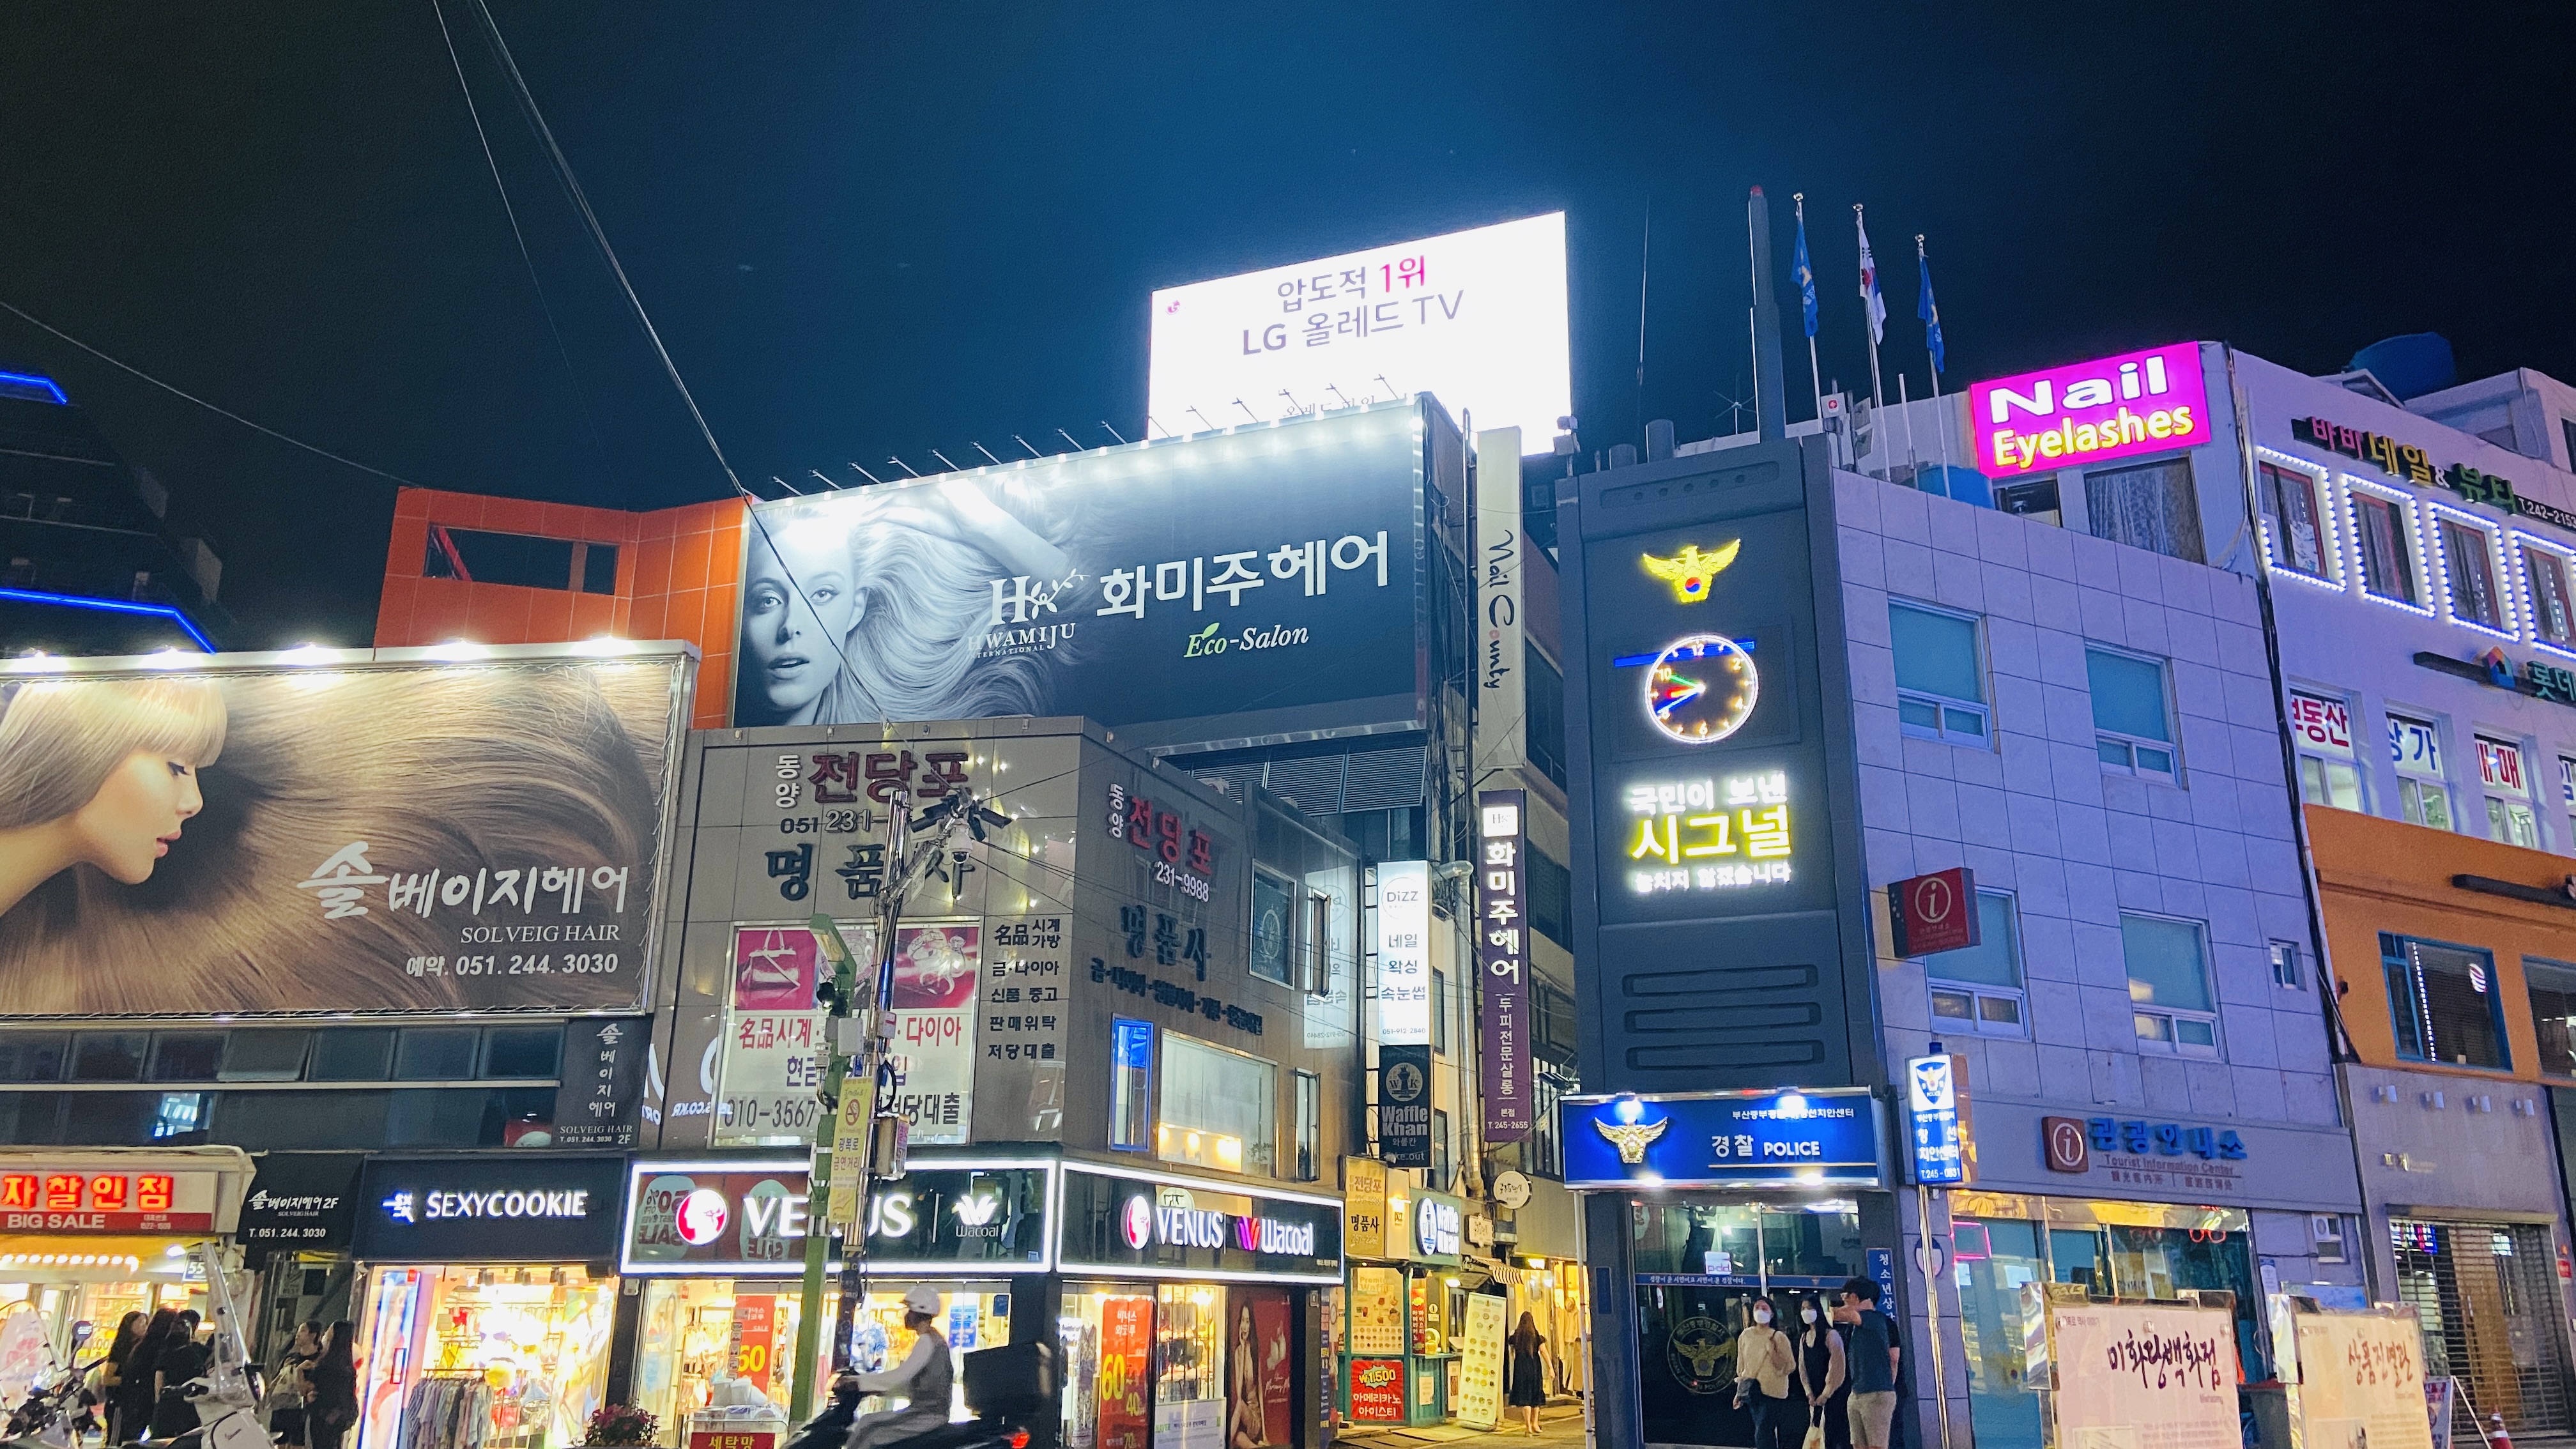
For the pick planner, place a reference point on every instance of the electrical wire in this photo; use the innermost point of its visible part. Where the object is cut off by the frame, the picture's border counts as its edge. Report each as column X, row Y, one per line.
column 840, row 646
column 127, row 367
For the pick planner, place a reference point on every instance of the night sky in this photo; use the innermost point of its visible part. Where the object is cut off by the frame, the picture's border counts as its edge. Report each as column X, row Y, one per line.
column 874, row 229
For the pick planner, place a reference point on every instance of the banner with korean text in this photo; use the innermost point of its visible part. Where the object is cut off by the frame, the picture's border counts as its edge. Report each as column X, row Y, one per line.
column 2139, row 1374
column 1502, row 963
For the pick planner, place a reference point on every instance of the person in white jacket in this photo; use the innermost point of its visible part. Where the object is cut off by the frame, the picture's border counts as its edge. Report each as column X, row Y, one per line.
column 922, row 1379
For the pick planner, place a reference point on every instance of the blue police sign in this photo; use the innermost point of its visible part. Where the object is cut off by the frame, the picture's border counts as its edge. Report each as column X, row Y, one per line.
column 1936, row 1146
column 1825, row 1138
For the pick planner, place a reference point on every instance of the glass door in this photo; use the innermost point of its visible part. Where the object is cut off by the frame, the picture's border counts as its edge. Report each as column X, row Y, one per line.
column 1686, row 1363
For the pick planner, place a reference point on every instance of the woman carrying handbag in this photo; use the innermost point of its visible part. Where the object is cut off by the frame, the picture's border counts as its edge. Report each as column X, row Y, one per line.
column 1764, row 1362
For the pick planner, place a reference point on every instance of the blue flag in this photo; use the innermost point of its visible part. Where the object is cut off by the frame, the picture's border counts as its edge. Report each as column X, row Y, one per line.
column 1930, row 313
column 1806, row 276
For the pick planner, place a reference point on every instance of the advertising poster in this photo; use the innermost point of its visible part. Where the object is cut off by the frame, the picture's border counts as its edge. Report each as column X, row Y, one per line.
column 1261, row 583
column 1480, row 1366
column 935, row 971
column 2361, row 1382
column 1377, row 1311
column 755, row 1319
column 771, row 1068
column 228, row 838
column 1272, row 1341
column 2145, row 1376
column 1377, row 1391
column 1126, row 1388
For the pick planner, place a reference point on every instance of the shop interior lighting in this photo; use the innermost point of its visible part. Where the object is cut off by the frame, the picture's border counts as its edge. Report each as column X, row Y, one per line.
column 2329, row 548
column 2407, row 538
column 2497, row 570
column 110, row 606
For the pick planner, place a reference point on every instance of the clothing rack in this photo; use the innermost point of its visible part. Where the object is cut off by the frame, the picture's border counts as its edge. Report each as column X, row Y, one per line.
column 447, row 1409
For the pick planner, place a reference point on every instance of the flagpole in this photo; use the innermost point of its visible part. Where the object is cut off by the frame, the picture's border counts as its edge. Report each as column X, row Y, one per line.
column 1905, row 405
column 1815, row 377
column 1869, row 325
column 1940, row 415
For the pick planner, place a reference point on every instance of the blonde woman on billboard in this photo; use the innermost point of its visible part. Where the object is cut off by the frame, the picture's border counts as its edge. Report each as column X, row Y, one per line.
column 100, row 774
column 457, row 769
column 906, row 580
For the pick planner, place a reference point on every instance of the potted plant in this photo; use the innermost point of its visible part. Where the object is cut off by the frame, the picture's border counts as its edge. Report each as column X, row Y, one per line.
column 621, row 1426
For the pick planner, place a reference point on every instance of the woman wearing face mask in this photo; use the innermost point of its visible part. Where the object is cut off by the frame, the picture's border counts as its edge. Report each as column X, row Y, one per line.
column 1764, row 1361
column 1822, row 1379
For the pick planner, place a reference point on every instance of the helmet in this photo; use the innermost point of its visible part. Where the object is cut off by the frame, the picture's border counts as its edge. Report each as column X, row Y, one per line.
column 922, row 1298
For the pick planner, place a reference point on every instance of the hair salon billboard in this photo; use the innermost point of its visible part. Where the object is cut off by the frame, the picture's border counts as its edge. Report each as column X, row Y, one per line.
column 1235, row 586
column 344, row 830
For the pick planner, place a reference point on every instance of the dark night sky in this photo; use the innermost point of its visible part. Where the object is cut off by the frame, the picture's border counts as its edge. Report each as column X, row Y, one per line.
column 866, row 229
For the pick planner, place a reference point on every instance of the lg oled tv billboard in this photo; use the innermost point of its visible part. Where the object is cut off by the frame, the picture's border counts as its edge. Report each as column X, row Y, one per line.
column 334, row 831
column 1259, row 584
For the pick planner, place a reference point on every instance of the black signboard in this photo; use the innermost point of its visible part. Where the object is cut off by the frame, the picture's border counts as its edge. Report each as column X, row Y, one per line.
column 1404, row 1105
column 498, row 1207
column 302, row 1202
column 1180, row 1227
column 603, row 1082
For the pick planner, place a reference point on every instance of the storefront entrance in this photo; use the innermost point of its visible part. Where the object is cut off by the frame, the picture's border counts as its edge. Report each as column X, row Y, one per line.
column 2487, row 1295
column 1700, row 1264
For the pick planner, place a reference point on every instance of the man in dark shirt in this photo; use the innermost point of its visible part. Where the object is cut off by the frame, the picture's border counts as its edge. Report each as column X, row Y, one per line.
column 1872, row 1351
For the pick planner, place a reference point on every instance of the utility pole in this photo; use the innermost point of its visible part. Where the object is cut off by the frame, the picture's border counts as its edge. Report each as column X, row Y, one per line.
column 908, row 862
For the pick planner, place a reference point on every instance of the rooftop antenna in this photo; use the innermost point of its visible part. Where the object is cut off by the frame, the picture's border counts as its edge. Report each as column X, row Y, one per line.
column 1770, row 401
column 864, row 473
column 987, row 452
column 1736, row 407
column 943, row 457
column 1202, row 417
column 1113, row 432
column 1645, row 262
column 1023, row 442
column 1069, row 439
column 906, row 467
column 1247, row 410
column 828, row 483
column 783, row 483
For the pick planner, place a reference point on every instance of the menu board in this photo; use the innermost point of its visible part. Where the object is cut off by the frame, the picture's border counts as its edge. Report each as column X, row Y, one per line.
column 1480, row 1362
column 1377, row 1312
column 2145, row 1376
column 2361, row 1381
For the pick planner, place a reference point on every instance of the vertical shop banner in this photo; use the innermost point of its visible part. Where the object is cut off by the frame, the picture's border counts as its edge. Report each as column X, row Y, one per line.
column 1404, row 1105
column 1019, row 1072
column 1403, row 945
column 602, row 1095
column 771, row 1069
column 755, row 1323
column 1480, row 1365
column 936, row 968
column 1502, row 963
column 2143, row 1373
column 1502, row 557
column 1126, row 1386
column 1363, row 1207
column 1273, row 1343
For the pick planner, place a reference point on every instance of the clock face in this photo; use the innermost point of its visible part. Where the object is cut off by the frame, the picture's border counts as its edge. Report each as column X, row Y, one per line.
column 1701, row 689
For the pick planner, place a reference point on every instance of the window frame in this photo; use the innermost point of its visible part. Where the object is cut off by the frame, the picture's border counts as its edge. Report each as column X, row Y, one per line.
column 2437, row 779
column 1977, row 994
column 1314, row 946
column 2306, row 753
column 2286, row 972
column 1306, row 1149
column 2103, row 482
column 2414, row 1001
column 1444, row 1153
column 2175, row 1017
column 1259, row 1159
column 1265, row 878
column 2523, row 545
column 2410, row 545
column 2512, row 818
column 2106, row 740
column 2447, row 520
column 2567, row 1020
column 1439, row 1012
column 1943, row 706
column 2320, row 481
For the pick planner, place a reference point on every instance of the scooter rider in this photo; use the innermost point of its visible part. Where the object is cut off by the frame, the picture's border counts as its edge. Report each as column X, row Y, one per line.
column 923, row 1378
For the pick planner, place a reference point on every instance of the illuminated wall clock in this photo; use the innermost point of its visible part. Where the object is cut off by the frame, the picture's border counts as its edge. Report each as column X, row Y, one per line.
column 1701, row 689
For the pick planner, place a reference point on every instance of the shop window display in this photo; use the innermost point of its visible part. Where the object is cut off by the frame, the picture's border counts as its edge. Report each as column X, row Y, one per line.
column 516, row 1356
column 1198, row 1365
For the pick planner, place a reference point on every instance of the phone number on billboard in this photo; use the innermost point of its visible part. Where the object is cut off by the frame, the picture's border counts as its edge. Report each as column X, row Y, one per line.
column 830, row 822
column 578, row 963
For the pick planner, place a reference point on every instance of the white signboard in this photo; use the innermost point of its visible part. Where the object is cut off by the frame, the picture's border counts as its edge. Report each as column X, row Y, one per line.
column 1477, row 318
column 1404, row 953
column 2145, row 1376
column 2361, row 1381
column 1480, row 1364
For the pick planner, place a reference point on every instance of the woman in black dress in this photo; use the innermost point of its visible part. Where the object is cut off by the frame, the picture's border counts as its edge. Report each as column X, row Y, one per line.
column 1529, row 1372
column 111, row 1374
column 182, row 1358
column 1823, row 1378
column 333, row 1404
column 138, row 1382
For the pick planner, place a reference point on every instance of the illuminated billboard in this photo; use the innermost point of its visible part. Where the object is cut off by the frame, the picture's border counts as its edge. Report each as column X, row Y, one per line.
column 334, row 830
column 1477, row 318
column 2090, row 412
column 1263, row 584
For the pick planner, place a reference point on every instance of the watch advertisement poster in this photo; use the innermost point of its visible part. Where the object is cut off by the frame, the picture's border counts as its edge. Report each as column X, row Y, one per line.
column 936, row 968
column 770, row 1071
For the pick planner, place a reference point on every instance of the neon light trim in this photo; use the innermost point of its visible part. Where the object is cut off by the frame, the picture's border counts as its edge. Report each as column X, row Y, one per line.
column 110, row 606
column 2409, row 539
column 32, row 383
column 2522, row 582
column 2485, row 529
column 2338, row 580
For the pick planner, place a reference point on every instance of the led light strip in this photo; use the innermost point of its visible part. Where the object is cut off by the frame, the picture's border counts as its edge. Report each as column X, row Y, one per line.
column 2330, row 547
column 2497, row 571
column 2519, row 540
column 2407, row 539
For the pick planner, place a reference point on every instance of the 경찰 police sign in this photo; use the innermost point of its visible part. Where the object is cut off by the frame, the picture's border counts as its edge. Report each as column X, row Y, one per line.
column 1827, row 1137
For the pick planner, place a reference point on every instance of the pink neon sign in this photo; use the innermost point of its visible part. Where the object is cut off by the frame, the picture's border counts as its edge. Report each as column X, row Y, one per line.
column 2090, row 412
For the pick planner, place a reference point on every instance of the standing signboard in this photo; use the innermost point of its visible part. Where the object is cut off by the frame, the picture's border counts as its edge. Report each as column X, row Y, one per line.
column 2135, row 1371
column 2353, row 1378
column 1502, row 963
column 1480, row 1362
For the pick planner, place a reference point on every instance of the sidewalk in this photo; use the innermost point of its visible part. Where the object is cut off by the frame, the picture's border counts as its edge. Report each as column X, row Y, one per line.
column 1560, row 1424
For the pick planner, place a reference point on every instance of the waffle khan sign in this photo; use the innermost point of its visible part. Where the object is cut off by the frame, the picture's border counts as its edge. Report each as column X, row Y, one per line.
column 2091, row 412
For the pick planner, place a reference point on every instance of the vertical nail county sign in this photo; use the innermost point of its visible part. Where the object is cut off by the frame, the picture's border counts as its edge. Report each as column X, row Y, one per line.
column 2090, row 412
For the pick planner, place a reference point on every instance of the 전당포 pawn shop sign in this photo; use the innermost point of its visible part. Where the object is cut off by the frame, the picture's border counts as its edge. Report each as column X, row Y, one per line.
column 1935, row 1110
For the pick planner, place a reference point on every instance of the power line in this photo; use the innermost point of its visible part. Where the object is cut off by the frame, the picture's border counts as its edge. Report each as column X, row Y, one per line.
column 182, row 393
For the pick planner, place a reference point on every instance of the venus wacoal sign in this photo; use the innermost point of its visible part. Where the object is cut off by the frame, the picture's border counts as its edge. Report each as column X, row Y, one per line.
column 2090, row 412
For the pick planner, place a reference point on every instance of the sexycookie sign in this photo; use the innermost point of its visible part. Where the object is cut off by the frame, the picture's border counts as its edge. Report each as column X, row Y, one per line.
column 2090, row 412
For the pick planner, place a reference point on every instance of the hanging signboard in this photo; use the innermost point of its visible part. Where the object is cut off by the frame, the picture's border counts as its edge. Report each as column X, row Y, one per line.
column 1501, row 960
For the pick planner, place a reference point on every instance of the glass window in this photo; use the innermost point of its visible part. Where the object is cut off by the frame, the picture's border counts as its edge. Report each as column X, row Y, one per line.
column 2150, row 506
column 2468, row 566
column 523, row 1051
column 1310, row 1126
column 1940, row 678
column 1440, row 1012
column 1218, row 1108
column 1273, row 927
column 2552, row 617
column 265, row 1054
column 1439, row 1150
column 2285, row 965
column 1550, row 906
column 353, row 1054
column 1996, row 1258
column 2423, row 796
column 2508, row 794
column 185, row 1056
column 2169, row 985
column 436, row 1053
column 2445, row 1003
column 1546, row 1145
column 2553, row 1013
column 28, row 1056
column 2133, row 731
column 1131, row 1083
column 2387, row 562
column 2293, row 520
column 1315, row 943
column 1979, row 988
column 2321, row 728
column 108, row 1056
column 1544, row 737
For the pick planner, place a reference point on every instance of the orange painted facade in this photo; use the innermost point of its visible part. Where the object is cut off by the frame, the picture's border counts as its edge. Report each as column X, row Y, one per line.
column 677, row 576
column 2379, row 875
